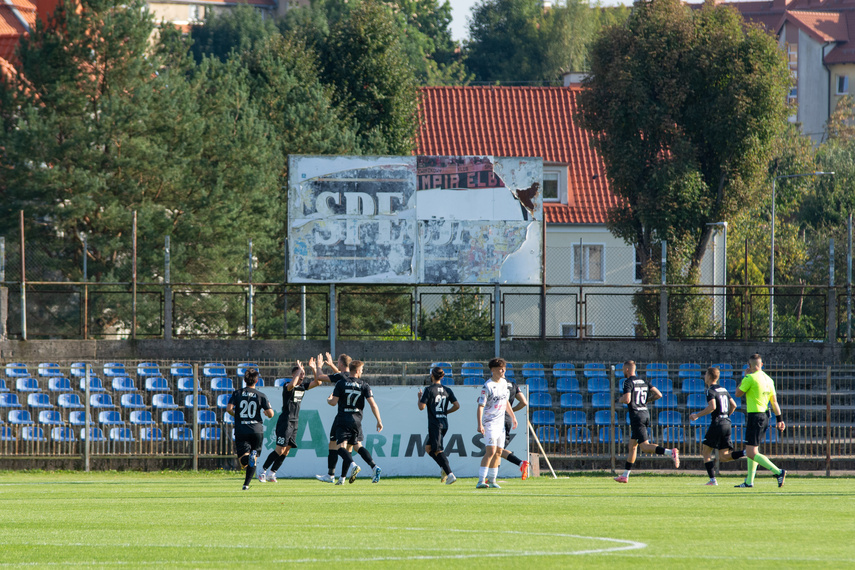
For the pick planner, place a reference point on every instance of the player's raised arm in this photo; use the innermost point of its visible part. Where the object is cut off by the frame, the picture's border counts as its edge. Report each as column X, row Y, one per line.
column 311, row 365
column 329, row 362
column 421, row 404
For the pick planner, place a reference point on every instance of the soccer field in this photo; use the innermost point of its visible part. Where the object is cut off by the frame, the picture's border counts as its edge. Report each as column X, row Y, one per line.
column 204, row 520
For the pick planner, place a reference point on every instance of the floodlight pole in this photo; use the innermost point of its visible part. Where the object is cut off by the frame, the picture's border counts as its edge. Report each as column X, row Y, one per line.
column 772, row 253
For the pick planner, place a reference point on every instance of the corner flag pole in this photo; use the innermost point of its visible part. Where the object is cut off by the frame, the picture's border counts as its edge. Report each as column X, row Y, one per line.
column 540, row 447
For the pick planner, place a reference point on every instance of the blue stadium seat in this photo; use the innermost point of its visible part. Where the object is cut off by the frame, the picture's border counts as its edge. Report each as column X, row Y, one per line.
column 244, row 366
column 604, row 435
column 203, row 401
column 702, row 421
column 598, row 384
column 19, row 417
column 668, row 400
column 729, row 384
column 662, row 384
column 51, row 418
column 33, row 433
column 181, row 434
column 656, row 366
column 151, row 434
column 470, row 380
column 673, row 434
column 722, row 366
column 17, row 370
column 473, row 369
column 206, row 418
column 114, row 369
column 536, row 384
column 145, row 369
column 696, row 402
column 95, row 433
column 123, row 435
column 59, row 384
column 101, row 401
column 222, row 385
column 669, row 418
column 540, row 400
column 181, row 369
column 602, row 418
column 69, row 401
column 567, row 384
column 156, row 384
column 575, row 418
column 214, row 369
column 228, row 419
column 548, row 434
column 223, row 401
column 110, row 418
column 49, row 370
column 39, row 400
column 3, row 387
column 446, row 367
column 172, row 417
column 141, row 418
column 78, row 370
column 185, row 383
column 63, row 434
column 77, row 418
column 163, row 401
column 601, row 400
column 543, row 418
column 447, row 380
column 95, row 384
column 571, row 400
column 27, row 384
column 279, row 382
column 132, row 401
column 693, row 386
column 6, row 434
column 578, row 434
column 210, row 434
column 123, row 384
column 509, row 371
column 683, row 375
column 738, row 402
column 738, row 419
column 690, row 366
column 560, row 369
column 533, row 369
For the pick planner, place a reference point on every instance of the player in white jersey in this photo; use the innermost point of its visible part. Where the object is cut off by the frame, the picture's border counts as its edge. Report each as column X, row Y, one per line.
column 492, row 406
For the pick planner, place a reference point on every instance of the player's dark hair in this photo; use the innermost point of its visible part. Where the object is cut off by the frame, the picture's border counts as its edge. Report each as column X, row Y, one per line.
column 629, row 363
column 250, row 377
column 714, row 372
column 345, row 359
column 755, row 357
column 497, row 363
column 295, row 370
column 437, row 373
column 354, row 365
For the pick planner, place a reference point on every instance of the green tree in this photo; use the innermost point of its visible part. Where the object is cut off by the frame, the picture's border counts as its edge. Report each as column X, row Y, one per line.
column 684, row 106
column 238, row 29
column 460, row 316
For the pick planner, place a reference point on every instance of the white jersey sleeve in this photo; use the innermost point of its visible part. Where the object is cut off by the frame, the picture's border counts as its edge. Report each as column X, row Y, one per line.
column 494, row 397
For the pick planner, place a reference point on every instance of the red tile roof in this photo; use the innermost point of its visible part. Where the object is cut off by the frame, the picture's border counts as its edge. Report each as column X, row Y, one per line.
column 822, row 26
column 520, row 121
column 15, row 17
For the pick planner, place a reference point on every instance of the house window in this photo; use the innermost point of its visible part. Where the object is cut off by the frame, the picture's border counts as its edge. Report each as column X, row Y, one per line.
column 793, row 60
column 195, row 13
column 588, row 263
column 555, row 184
column 639, row 270
column 572, row 331
column 842, row 84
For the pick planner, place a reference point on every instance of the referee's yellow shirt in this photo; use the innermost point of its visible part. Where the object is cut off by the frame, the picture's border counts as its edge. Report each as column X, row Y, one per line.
column 759, row 389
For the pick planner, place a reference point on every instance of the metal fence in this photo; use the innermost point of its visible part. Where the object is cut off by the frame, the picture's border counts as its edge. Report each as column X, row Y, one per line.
column 147, row 409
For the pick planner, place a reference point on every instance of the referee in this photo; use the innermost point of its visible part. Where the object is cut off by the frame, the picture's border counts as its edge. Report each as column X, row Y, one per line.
column 759, row 391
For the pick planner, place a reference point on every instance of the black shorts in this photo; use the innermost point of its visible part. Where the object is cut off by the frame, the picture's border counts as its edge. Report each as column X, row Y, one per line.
column 246, row 443
column 436, row 432
column 718, row 434
column 756, row 424
column 347, row 432
column 334, row 432
column 639, row 423
column 286, row 432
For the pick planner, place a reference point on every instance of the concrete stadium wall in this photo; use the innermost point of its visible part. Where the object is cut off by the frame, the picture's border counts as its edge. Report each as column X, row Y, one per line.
column 426, row 351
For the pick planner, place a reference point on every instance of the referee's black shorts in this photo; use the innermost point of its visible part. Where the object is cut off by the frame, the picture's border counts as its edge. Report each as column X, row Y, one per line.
column 756, row 424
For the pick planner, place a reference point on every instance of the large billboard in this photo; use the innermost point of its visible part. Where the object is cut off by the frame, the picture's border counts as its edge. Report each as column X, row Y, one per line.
column 415, row 219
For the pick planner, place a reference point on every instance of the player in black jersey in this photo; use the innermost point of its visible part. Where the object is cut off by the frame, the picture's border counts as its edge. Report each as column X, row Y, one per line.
column 248, row 405
column 350, row 395
column 286, row 426
column 436, row 398
column 720, row 406
column 521, row 403
column 339, row 373
column 636, row 394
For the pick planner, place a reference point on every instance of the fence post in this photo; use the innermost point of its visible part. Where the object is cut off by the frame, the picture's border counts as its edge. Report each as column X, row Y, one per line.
column 613, row 416
column 23, row 280
column 831, row 320
column 167, row 291
column 416, row 309
column 828, row 421
column 497, row 321
column 663, row 299
column 332, row 324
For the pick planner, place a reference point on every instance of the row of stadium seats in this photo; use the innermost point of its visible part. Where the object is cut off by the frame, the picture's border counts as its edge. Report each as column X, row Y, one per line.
column 116, row 434
column 114, row 418
column 602, row 418
column 669, row 400
column 583, row 434
column 134, row 400
column 111, row 369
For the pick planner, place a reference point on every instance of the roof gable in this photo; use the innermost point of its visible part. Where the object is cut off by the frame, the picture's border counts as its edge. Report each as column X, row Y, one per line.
column 524, row 122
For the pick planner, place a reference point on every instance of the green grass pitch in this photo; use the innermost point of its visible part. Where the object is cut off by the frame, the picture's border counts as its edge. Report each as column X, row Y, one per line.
column 204, row 520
